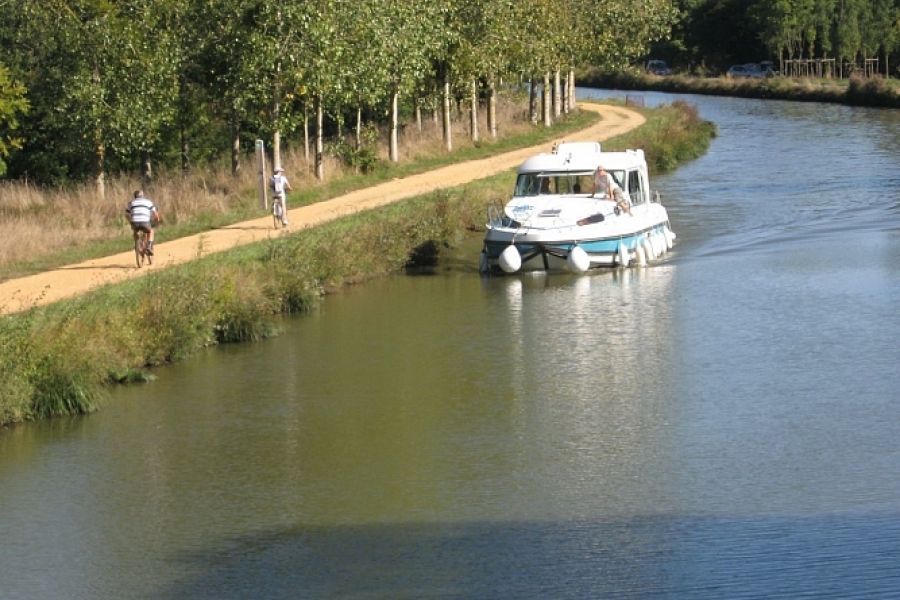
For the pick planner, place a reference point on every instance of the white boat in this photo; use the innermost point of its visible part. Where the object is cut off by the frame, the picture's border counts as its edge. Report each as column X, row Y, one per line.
column 553, row 221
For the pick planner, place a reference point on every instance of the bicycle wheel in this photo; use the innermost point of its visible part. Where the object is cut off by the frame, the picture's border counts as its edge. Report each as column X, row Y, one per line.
column 276, row 212
column 138, row 250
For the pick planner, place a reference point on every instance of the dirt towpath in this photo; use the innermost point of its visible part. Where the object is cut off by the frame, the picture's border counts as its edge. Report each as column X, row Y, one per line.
column 71, row 280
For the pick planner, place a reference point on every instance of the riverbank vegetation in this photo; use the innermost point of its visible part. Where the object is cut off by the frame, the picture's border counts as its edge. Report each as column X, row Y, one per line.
column 831, row 40
column 855, row 91
column 58, row 359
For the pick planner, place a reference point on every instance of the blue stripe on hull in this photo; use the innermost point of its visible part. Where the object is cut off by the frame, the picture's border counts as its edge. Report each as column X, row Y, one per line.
column 606, row 246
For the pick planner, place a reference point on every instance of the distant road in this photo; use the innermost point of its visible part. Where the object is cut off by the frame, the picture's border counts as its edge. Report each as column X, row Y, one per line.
column 72, row 280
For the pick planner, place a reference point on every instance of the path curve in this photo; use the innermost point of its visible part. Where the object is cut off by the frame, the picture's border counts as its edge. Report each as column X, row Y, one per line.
column 72, row 280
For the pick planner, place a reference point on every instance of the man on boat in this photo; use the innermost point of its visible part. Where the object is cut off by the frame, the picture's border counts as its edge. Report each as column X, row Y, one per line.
column 608, row 188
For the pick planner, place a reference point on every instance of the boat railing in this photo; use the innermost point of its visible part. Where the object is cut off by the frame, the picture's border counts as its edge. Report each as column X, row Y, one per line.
column 496, row 216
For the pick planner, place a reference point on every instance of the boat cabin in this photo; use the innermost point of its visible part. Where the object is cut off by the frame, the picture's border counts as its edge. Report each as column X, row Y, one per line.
column 570, row 171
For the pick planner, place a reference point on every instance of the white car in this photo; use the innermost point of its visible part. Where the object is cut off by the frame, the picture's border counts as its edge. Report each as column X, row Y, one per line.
column 751, row 71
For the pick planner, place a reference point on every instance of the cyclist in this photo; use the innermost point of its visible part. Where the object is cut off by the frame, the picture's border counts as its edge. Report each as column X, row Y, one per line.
column 142, row 214
column 280, row 187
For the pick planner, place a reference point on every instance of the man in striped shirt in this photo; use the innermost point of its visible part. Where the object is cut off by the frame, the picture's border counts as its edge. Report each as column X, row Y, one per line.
column 142, row 214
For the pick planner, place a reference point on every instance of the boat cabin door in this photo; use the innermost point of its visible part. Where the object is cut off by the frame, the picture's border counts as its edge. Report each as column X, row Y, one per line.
column 636, row 187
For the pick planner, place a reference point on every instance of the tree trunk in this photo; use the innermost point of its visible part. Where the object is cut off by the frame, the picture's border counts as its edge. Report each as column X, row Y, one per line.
column 394, row 141
column 185, row 155
column 546, row 97
column 358, row 127
column 532, row 101
column 435, row 113
column 99, row 159
column 557, row 100
column 448, row 132
column 419, row 116
column 573, row 104
column 276, row 135
column 276, row 105
column 320, row 139
column 306, row 135
column 492, row 108
column 146, row 168
column 473, row 117
column 276, row 148
column 235, row 144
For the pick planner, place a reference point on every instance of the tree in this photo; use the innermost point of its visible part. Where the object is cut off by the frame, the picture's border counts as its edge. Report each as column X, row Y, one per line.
column 12, row 104
column 108, row 76
column 407, row 37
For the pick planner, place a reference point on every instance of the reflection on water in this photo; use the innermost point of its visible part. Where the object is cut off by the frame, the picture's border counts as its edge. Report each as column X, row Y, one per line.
column 653, row 557
column 721, row 425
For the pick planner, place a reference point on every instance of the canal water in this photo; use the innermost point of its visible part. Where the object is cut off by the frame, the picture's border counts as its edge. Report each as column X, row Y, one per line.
column 724, row 424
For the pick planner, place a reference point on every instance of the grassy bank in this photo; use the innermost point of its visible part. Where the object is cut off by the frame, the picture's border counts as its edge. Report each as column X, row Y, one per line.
column 58, row 360
column 856, row 91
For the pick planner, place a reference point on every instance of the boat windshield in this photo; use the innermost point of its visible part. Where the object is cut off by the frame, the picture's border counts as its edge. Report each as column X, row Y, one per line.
column 533, row 184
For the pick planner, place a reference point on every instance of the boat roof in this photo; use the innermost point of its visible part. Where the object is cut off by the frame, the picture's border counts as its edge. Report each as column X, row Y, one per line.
column 576, row 157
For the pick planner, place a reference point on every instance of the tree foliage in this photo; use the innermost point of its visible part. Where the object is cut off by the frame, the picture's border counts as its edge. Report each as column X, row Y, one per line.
column 113, row 82
column 717, row 33
column 13, row 105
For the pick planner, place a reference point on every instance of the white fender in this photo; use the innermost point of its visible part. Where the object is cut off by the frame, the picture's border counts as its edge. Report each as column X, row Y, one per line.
column 648, row 249
column 641, row 256
column 624, row 259
column 659, row 244
column 670, row 237
column 578, row 260
column 510, row 259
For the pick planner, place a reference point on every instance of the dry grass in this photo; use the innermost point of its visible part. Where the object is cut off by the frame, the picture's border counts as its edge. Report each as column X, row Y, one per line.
column 37, row 222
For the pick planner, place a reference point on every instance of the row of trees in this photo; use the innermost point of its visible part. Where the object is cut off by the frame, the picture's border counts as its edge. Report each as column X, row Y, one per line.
column 120, row 85
column 717, row 33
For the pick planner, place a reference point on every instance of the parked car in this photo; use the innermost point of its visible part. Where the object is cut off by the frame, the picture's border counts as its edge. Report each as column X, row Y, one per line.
column 769, row 67
column 658, row 67
column 752, row 71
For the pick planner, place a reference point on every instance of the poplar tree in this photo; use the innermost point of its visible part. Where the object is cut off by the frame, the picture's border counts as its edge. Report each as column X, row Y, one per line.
column 12, row 105
column 107, row 75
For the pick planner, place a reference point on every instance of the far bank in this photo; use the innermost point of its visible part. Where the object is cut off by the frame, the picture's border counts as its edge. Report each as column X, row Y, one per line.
column 857, row 91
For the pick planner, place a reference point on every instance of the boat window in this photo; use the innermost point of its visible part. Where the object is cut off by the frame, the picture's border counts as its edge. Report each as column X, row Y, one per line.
column 635, row 187
column 528, row 184
column 532, row 184
column 581, row 184
column 619, row 176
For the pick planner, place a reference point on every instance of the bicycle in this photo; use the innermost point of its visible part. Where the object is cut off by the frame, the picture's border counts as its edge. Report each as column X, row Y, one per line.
column 140, row 249
column 278, row 215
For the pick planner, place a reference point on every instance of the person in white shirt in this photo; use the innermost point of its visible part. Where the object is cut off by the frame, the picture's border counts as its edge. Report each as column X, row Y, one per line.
column 280, row 187
column 142, row 214
column 606, row 185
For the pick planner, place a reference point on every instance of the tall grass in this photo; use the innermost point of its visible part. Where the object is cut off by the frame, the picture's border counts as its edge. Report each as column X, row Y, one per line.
column 58, row 359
